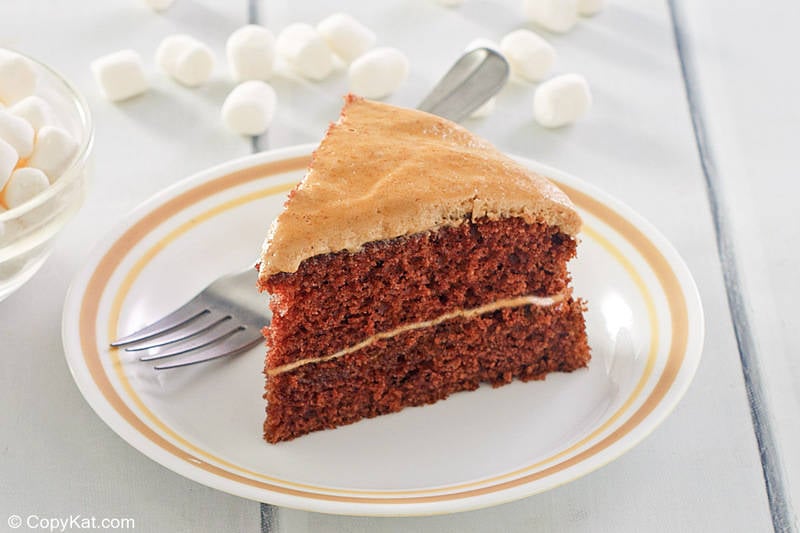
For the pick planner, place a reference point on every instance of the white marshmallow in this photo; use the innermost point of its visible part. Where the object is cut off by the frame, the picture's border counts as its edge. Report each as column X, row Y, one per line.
column 561, row 100
column 25, row 184
column 346, row 36
column 378, row 73
column 451, row 3
column 8, row 160
column 120, row 75
column 194, row 66
column 16, row 132
column 53, row 151
column 529, row 56
column 159, row 5
column 249, row 108
column 485, row 110
column 305, row 51
column 554, row 15
column 587, row 8
column 251, row 53
column 170, row 48
column 35, row 110
column 186, row 59
column 17, row 77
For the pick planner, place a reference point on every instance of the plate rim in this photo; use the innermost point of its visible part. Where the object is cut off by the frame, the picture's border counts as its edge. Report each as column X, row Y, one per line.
column 653, row 419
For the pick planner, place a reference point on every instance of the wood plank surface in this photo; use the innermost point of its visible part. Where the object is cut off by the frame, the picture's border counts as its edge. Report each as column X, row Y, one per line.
column 699, row 471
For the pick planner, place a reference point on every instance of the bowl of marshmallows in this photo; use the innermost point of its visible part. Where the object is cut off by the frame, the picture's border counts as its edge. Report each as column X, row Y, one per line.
column 45, row 143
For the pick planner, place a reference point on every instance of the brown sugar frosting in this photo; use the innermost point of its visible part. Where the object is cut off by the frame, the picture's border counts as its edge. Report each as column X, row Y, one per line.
column 384, row 172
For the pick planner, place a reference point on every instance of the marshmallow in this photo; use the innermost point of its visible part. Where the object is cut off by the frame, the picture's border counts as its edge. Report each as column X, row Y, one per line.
column 346, row 36
column 378, row 73
column 25, row 183
column 120, row 75
column 485, row 110
column 305, row 50
column 8, row 160
column 53, row 151
column 251, row 53
column 159, row 5
column 170, row 49
column 249, row 108
column 451, row 3
column 35, row 110
column 186, row 59
column 587, row 8
column 554, row 15
column 529, row 56
column 17, row 77
column 561, row 100
column 16, row 132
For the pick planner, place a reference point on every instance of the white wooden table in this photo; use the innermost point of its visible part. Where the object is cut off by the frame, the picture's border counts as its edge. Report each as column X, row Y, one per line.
column 694, row 125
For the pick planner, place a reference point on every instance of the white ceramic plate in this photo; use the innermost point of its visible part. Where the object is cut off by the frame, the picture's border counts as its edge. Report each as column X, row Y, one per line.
column 472, row 450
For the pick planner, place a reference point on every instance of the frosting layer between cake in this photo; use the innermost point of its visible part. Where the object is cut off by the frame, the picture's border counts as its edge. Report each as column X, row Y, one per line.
column 518, row 301
column 384, row 172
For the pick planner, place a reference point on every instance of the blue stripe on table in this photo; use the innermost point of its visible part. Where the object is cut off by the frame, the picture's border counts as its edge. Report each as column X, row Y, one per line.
column 775, row 484
column 269, row 513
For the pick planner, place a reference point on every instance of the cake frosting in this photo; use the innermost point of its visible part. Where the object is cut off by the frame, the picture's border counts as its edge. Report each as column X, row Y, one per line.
column 505, row 303
column 384, row 172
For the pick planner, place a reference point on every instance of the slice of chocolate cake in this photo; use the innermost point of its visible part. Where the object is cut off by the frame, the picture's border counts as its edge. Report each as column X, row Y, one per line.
column 413, row 261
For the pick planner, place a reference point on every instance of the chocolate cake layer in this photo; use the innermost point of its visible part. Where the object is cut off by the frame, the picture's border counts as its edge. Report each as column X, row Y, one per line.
column 337, row 300
column 427, row 365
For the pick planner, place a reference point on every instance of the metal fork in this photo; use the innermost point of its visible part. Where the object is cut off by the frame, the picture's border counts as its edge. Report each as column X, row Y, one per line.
column 223, row 319
column 226, row 317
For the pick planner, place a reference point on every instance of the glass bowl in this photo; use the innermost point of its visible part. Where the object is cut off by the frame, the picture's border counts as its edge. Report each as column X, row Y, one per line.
column 28, row 231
